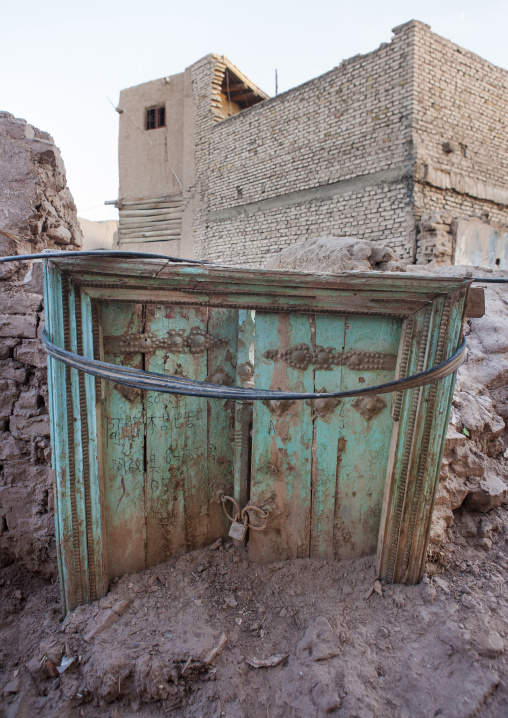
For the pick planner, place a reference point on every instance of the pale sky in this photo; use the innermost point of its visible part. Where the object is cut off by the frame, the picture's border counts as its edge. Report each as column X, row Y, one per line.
column 62, row 60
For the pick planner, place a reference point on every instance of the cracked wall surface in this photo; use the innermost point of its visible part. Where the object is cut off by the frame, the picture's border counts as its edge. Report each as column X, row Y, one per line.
column 36, row 212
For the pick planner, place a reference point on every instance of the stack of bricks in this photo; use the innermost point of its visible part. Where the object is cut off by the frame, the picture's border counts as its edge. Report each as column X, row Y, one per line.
column 435, row 239
column 36, row 212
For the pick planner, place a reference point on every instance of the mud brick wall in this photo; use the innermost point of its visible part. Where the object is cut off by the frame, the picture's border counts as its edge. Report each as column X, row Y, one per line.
column 36, row 212
column 416, row 127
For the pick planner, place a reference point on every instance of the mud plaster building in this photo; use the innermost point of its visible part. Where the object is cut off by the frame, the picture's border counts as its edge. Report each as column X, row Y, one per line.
column 406, row 145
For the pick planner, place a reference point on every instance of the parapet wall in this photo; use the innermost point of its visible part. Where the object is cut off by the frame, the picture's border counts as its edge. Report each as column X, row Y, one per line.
column 36, row 212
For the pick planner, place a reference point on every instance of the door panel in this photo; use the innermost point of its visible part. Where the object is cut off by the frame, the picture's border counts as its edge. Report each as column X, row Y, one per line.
column 282, row 441
column 123, row 440
column 320, row 466
column 167, row 456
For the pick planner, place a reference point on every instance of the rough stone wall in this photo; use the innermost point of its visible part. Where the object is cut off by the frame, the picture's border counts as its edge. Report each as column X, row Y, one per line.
column 36, row 212
column 332, row 156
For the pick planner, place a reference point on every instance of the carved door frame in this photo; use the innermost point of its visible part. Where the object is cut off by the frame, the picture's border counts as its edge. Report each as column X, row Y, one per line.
column 431, row 309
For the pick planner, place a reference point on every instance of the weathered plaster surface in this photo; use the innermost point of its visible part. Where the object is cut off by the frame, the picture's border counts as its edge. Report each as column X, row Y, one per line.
column 36, row 212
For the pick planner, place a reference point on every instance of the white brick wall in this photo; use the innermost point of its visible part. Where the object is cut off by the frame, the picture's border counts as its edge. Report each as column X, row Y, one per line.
column 389, row 111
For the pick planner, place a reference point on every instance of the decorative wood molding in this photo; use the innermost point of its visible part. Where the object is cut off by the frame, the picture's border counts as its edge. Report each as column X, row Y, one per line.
column 327, row 471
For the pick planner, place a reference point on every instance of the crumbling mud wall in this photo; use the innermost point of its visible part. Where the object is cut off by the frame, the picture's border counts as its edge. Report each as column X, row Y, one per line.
column 36, row 212
column 474, row 476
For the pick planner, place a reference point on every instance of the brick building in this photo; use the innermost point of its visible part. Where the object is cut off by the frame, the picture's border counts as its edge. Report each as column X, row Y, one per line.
column 407, row 145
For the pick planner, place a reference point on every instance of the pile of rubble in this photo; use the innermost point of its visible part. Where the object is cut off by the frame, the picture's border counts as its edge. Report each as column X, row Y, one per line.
column 474, row 474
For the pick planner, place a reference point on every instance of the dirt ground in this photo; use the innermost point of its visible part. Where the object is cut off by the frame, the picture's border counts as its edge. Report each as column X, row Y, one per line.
column 210, row 635
column 181, row 639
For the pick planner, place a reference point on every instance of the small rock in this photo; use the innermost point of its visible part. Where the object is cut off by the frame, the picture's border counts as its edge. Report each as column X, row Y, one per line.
column 347, row 591
column 429, row 593
column 283, row 613
column 230, row 600
column 490, row 645
column 13, row 686
column 485, row 544
column 106, row 618
column 216, row 545
column 198, row 602
column 120, row 607
column 467, row 602
column 319, row 642
column 269, row 662
column 60, row 235
column 53, row 650
column 489, row 493
column 382, row 633
column 442, row 584
column 325, row 698
column 376, row 588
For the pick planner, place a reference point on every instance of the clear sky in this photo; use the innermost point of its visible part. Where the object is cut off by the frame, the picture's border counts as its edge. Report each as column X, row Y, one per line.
column 62, row 60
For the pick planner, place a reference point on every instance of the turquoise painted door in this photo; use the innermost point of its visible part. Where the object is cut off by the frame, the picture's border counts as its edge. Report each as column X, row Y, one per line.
column 139, row 475
column 319, row 466
column 166, row 458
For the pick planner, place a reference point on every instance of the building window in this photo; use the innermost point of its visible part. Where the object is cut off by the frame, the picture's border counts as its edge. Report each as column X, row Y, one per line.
column 155, row 117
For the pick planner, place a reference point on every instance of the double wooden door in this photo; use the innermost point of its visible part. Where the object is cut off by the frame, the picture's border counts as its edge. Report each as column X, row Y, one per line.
column 318, row 467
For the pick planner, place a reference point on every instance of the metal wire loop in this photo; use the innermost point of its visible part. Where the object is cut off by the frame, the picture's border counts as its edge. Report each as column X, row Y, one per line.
column 238, row 510
column 246, row 519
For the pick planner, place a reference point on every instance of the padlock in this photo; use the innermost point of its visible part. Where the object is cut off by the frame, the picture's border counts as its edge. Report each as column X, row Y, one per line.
column 238, row 531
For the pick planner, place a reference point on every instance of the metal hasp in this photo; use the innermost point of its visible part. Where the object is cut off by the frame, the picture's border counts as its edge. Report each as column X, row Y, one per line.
column 139, row 475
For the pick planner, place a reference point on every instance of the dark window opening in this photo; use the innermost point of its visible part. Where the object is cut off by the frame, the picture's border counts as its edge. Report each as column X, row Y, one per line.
column 155, row 117
column 498, row 261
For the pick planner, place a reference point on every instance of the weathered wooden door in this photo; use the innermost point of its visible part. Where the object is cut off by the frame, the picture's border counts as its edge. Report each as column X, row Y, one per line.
column 166, row 458
column 139, row 474
column 320, row 466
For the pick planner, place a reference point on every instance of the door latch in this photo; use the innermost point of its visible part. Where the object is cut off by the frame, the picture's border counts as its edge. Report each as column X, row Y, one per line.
column 240, row 521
